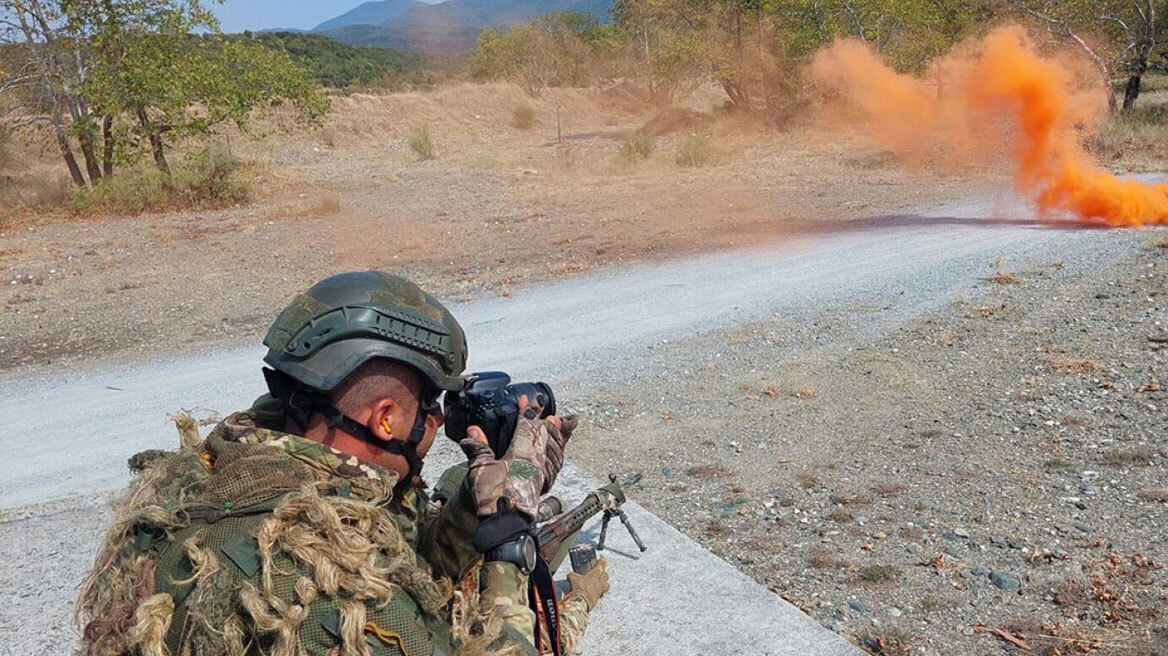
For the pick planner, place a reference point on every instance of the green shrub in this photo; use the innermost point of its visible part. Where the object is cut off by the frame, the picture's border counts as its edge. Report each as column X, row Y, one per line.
column 205, row 178
column 694, row 152
column 422, row 143
column 638, row 145
column 523, row 116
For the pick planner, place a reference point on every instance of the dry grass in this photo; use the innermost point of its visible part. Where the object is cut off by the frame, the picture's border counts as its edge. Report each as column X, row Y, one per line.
column 422, row 142
column 1080, row 367
column 1134, row 144
column 889, row 489
column 1058, row 464
column 694, row 152
column 1138, row 456
column 1154, row 494
column 523, row 116
column 709, row 471
column 638, row 146
column 878, row 573
column 324, row 206
column 840, row 516
column 808, row 479
column 822, row 556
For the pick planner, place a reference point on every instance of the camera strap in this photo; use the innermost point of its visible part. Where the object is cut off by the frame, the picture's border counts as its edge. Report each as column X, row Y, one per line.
column 541, row 598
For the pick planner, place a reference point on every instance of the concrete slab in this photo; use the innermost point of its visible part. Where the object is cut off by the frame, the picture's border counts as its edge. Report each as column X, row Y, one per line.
column 678, row 598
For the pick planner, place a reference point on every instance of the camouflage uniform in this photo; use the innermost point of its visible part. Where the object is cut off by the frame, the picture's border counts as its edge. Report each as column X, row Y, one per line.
column 257, row 541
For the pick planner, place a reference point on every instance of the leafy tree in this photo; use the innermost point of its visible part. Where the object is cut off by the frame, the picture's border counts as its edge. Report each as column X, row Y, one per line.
column 753, row 47
column 46, row 82
column 149, row 66
column 120, row 78
column 553, row 50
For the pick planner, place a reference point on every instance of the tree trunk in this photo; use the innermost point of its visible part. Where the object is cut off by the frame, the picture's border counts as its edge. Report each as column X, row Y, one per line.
column 70, row 161
column 92, row 164
column 1131, row 93
column 107, row 150
column 155, row 141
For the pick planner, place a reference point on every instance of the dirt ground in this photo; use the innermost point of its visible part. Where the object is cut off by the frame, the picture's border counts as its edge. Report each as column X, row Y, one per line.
column 499, row 206
column 992, row 478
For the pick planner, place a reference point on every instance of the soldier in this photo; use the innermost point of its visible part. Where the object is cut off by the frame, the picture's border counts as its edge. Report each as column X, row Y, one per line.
column 301, row 526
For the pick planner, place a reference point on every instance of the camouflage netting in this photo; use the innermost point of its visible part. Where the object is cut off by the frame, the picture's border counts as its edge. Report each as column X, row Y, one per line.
column 314, row 545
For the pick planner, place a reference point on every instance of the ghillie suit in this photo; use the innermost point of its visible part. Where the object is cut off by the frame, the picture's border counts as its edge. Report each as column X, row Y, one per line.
column 261, row 542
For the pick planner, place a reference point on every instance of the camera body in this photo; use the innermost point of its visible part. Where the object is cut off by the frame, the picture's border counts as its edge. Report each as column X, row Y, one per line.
column 489, row 400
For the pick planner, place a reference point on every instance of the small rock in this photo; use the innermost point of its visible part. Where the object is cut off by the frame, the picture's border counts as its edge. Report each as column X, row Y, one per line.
column 1004, row 581
column 894, row 612
column 999, row 541
column 1082, row 527
column 961, row 533
column 978, row 570
column 858, row 606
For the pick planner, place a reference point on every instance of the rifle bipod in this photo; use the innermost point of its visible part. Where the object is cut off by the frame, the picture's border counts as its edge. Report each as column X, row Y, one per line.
column 617, row 511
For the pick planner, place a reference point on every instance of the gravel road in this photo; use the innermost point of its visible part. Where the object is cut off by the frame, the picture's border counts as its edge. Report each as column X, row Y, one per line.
column 586, row 335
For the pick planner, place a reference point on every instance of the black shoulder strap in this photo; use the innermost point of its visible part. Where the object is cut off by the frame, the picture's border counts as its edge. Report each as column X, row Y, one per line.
column 542, row 600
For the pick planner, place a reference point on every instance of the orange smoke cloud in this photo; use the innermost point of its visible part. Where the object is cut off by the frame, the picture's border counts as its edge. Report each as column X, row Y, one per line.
column 995, row 94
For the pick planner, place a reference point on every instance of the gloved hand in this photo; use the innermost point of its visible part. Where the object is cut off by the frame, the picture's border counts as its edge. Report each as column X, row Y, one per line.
column 591, row 586
column 515, row 481
column 560, row 431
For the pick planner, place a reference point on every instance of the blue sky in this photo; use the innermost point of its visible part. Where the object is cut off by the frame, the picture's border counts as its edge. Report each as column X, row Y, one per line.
column 239, row 15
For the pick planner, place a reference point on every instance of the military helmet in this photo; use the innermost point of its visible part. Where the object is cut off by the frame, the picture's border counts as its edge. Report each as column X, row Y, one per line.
column 347, row 319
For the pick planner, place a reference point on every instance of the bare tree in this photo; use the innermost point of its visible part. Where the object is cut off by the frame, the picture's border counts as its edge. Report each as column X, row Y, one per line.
column 1118, row 36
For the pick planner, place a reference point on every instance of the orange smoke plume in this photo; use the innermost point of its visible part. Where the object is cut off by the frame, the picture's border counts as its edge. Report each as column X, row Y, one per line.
column 994, row 94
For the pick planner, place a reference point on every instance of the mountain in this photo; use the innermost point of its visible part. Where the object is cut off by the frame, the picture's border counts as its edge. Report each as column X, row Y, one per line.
column 440, row 40
column 370, row 13
column 452, row 26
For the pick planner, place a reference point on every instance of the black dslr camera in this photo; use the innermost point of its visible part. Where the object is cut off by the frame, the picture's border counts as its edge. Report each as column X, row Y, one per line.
column 489, row 401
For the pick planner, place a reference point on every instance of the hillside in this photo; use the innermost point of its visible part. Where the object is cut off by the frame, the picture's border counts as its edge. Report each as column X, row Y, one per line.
column 336, row 64
column 451, row 26
column 370, row 13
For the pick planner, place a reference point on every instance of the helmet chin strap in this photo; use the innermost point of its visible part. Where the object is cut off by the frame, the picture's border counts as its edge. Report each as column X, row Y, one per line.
column 300, row 403
column 407, row 448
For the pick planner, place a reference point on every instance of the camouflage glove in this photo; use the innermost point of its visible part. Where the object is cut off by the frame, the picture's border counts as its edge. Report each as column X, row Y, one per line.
column 515, row 481
column 560, row 431
column 591, row 586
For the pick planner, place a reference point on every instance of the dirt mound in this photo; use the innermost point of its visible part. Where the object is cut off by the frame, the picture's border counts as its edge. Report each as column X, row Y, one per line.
column 673, row 120
column 627, row 97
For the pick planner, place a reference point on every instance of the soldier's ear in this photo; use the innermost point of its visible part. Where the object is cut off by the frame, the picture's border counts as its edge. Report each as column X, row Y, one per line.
column 381, row 421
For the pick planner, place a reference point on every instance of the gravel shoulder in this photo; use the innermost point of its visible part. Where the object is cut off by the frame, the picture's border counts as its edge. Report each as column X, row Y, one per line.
column 993, row 471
